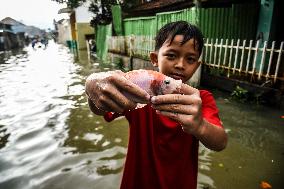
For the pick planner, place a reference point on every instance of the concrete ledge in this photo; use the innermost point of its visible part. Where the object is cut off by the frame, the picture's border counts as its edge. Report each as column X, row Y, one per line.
column 269, row 96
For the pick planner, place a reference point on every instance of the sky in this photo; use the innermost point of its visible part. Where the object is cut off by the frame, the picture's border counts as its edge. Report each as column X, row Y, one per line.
column 38, row 13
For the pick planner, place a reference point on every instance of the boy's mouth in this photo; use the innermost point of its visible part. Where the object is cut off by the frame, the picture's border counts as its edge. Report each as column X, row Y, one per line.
column 177, row 76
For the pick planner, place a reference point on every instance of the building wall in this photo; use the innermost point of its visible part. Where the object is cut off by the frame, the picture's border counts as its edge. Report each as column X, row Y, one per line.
column 64, row 32
column 83, row 29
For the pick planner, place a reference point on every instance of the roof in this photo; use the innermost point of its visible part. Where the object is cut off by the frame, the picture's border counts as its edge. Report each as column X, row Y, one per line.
column 157, row 6
column 11, row 21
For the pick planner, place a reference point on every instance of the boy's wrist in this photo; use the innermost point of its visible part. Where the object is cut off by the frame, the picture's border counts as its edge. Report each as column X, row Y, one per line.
column 201, row 129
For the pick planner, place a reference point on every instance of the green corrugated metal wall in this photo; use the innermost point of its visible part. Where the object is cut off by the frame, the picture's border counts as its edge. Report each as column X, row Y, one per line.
column 140, row 26
column 117, row 19
column 167, row 17
column 102, row 32
column 236, row 22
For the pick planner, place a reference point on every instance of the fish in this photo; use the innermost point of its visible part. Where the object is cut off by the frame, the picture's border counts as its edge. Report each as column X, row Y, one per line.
column 153, row 82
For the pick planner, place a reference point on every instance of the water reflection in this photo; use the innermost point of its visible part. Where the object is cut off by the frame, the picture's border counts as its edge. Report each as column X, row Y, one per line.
column 48, row 136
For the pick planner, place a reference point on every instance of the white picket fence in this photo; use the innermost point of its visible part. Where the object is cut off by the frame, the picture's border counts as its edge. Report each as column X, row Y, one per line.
column 244, row 57
column 255, row 58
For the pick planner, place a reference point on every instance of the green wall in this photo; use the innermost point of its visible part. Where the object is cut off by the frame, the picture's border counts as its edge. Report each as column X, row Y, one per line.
column 236, row 22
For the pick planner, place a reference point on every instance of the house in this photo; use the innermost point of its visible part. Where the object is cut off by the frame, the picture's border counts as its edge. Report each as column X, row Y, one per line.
column 8, row 39
column 80, row 29
column 64, row 32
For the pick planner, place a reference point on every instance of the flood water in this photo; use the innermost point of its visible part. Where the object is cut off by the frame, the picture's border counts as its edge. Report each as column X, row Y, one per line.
column 49, row 139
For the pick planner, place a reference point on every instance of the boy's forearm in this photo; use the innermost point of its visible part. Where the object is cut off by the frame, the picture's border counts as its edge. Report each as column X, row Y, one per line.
column 94, row 109
column 212, row 137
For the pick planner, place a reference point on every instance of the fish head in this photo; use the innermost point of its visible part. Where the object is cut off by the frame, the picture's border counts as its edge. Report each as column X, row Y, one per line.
column 165, row 85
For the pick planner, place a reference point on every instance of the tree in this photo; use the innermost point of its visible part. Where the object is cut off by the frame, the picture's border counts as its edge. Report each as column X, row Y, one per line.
column 71, row 3
column 102, row 11
column 100, row 8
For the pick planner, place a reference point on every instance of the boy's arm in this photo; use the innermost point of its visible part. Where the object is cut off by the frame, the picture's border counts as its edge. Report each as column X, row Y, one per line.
column 212, row 136
column 186, row 109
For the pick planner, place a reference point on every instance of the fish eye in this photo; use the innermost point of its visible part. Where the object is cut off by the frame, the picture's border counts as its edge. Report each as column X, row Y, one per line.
column 167, row 81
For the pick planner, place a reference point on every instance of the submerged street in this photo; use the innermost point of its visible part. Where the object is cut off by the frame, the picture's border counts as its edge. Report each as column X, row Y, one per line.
column 50, row 139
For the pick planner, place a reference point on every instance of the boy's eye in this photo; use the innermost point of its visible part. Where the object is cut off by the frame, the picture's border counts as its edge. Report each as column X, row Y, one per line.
column 170, row 56
column 191, row 60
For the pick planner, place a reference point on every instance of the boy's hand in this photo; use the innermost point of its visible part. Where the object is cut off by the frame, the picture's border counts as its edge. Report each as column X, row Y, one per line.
column 184, row 108
column 107, row 93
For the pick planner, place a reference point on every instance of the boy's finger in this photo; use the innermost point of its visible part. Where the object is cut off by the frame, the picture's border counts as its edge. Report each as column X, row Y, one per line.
column 116, row 98
column 174, row 99
column 188, row 90
column 176, row 108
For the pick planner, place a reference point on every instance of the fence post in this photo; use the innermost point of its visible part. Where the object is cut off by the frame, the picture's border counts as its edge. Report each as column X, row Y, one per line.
column 225, row 53
column 278, row 61
column 220, row 53
column 270, row 60
column 262, row 59
column 255, row 57
column 215, row 51
column 249, row 55
column 230, row 57
column 206, row 51
column 211, row 51
column 236, row 56
column 242, row 56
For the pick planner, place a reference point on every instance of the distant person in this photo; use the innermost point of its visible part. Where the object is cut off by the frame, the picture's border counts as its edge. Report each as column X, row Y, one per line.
column 34, row 42
column 164, row 134
column 44, row 41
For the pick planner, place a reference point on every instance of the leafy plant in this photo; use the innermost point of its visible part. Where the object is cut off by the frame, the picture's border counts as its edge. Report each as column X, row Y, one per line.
column 240, row 94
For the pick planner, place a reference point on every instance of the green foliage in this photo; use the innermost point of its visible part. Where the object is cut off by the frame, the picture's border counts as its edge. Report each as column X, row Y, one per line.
column 102, row 12
column 71, row 3
column 100, row 8
column 240, row 94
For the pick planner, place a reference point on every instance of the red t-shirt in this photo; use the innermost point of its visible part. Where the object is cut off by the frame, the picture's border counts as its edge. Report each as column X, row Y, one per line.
column 160, row 155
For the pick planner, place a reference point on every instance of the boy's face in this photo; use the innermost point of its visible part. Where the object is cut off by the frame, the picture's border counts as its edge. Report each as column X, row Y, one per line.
column 176, row 60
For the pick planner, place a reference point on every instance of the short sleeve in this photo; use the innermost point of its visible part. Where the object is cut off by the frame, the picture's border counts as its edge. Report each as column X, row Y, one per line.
column 209, row 109
column 109, row 116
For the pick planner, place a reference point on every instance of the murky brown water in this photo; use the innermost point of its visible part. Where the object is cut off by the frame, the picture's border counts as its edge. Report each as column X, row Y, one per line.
column 50, row 139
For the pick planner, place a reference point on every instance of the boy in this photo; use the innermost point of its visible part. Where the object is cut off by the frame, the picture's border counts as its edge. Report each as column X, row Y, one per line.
column 164, row 135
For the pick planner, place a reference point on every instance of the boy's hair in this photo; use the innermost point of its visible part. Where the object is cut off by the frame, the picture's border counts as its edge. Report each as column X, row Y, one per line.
column 189, row 31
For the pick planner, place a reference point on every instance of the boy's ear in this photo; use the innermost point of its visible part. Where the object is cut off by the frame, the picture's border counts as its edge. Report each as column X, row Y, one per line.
column 154, row 58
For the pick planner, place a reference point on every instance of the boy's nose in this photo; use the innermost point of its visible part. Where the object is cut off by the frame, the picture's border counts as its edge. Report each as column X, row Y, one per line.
column 180, row 63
